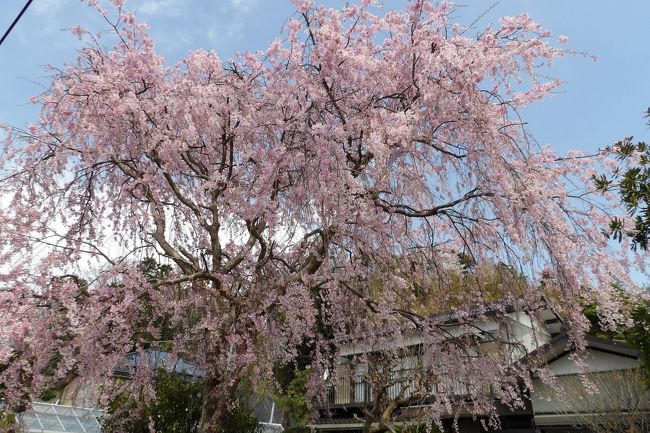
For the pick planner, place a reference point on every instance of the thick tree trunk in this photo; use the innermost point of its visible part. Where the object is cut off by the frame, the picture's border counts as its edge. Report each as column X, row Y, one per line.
column 214, row 406
column 367, row 424
column 373, row 414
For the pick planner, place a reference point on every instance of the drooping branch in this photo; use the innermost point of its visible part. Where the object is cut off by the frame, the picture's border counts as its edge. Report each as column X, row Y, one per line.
column 408, row 211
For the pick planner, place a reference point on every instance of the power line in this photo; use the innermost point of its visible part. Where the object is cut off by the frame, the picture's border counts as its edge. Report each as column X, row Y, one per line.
column 11, row 27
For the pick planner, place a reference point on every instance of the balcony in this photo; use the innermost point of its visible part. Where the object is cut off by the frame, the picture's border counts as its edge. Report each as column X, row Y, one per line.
column 359, row 391
column 400, row 385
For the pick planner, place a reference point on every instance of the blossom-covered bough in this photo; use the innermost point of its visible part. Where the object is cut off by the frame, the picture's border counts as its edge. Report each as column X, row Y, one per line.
column 281, row 186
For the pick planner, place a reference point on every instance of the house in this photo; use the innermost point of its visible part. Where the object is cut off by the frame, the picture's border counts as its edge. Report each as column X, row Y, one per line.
column 539, row 334
column 612, row 368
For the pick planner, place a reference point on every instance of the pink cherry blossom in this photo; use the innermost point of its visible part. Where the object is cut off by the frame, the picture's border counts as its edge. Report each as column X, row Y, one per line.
column 306, row 196
column 78, row 31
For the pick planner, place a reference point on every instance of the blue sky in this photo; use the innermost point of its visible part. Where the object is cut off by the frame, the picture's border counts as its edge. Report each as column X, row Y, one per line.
column 601, row 101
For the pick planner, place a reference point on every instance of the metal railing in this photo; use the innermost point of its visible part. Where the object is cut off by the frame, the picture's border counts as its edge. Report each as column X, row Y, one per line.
column 351, row 390
column 401, row 385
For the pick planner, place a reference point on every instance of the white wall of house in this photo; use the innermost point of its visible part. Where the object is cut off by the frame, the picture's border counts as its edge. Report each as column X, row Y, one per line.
column 596, row 360
column 366, row 344
column 611, row 392
column 527, row 332
column 521, row 327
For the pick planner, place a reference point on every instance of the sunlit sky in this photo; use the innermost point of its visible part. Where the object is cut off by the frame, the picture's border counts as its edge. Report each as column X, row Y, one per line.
column 601, row 101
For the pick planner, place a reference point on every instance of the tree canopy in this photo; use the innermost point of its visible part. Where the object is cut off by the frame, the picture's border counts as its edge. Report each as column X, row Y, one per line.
column 275, row 186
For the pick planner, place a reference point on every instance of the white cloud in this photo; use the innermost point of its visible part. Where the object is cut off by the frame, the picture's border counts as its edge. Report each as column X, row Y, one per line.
column 160, row 7
column 146, row 7
column 237, row 9
column 213, row 36
column 243, row 5
column 235, row 28
column 170, row 41
column 42, row 7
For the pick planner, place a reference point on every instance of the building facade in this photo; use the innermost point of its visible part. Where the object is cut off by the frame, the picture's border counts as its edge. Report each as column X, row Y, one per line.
column 608, row 386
